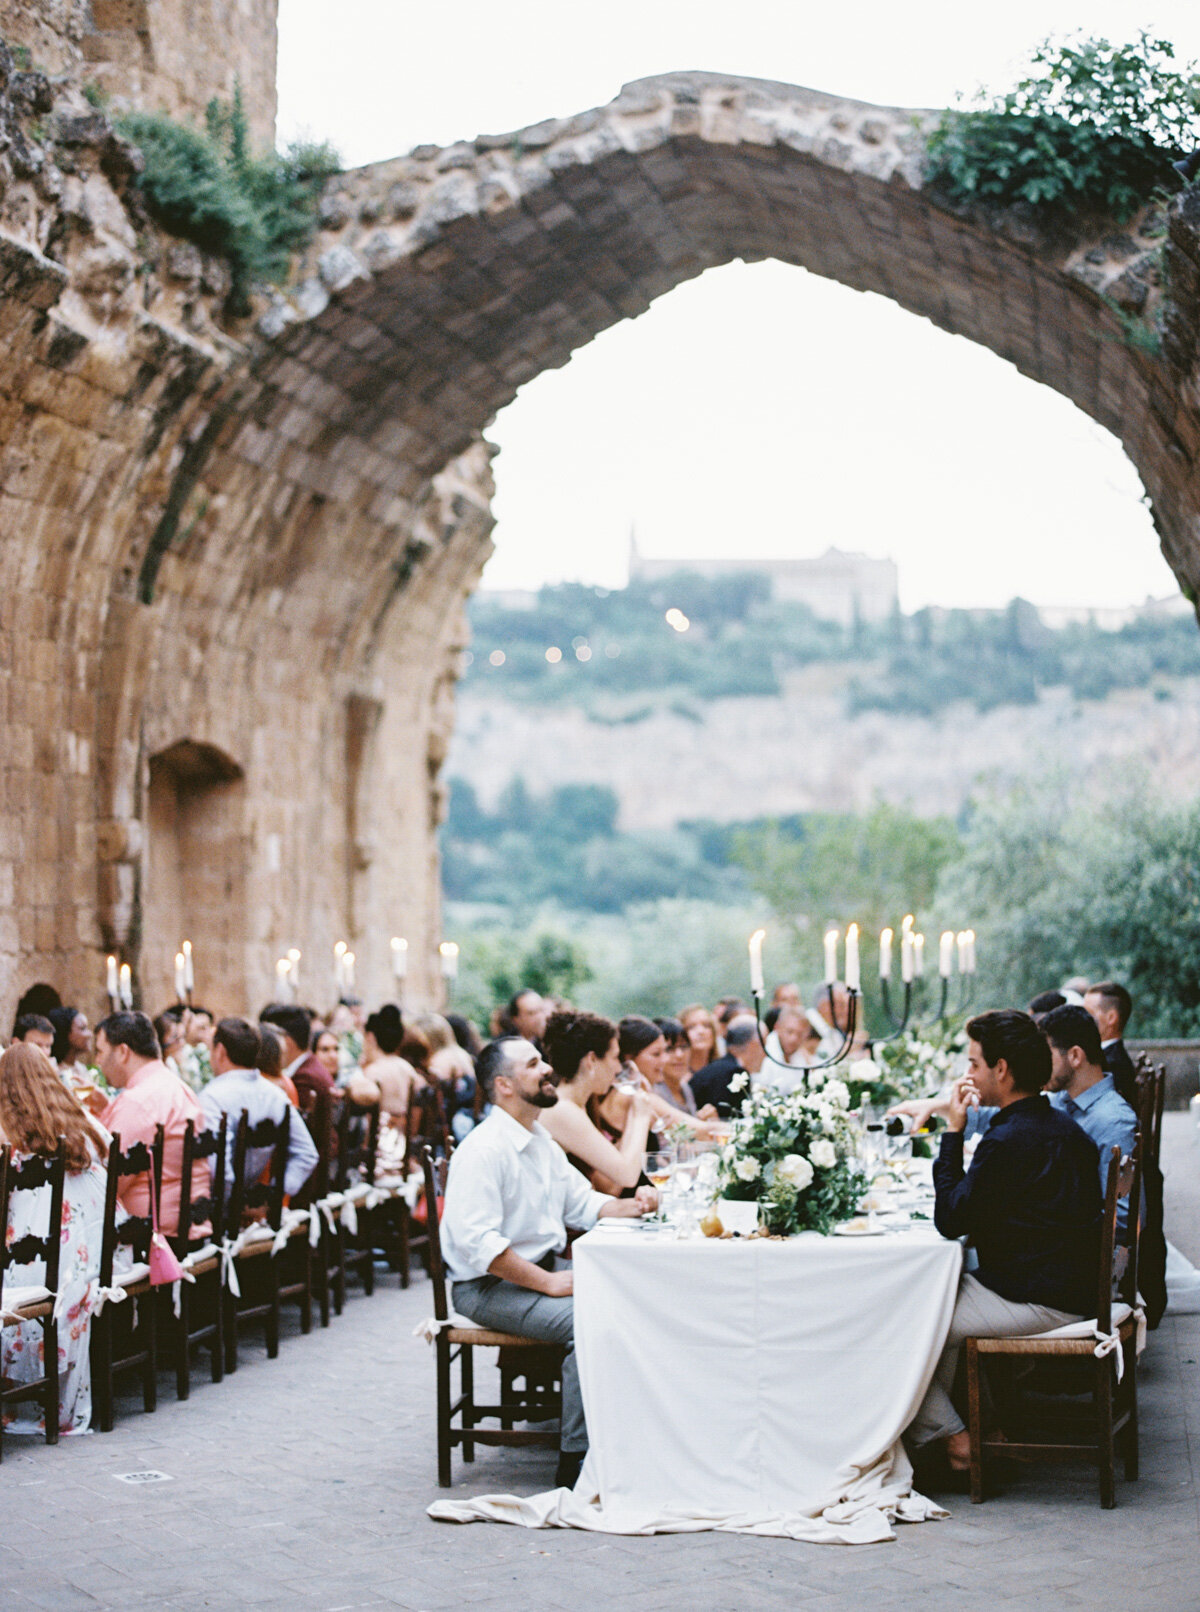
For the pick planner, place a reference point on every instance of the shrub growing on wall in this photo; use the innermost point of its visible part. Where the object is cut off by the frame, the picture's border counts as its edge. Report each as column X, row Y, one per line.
column 1092, row 127
column 208, row 187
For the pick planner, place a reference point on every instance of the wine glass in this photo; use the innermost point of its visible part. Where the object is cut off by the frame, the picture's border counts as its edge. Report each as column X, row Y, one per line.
column 660, row 1166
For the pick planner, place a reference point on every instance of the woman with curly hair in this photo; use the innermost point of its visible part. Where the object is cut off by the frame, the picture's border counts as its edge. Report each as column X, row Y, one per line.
column 35, row 1111
column 583, row 1051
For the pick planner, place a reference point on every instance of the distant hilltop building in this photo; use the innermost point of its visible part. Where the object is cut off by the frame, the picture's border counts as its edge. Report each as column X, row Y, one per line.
column 835, row 585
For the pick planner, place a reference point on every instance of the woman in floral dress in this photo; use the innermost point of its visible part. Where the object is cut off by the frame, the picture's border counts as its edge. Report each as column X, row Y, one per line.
column 35, row 1110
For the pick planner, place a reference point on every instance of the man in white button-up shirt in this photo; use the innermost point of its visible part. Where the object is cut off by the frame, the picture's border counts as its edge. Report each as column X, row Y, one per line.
column 510, row 1196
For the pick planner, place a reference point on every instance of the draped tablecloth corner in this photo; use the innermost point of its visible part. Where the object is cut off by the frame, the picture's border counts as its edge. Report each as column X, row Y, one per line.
column 747, row 1387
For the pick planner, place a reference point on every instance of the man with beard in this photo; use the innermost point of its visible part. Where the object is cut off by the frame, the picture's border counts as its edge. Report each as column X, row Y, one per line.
column 510, row 1197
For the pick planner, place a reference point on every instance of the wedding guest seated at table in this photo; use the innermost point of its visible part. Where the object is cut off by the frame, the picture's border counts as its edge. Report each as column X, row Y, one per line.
column 270, row 1064
column 325, row 1048
column 675, row 1085
column 832, row 1017
column 35, row 1112
column 392, row 1075
column 584, row 1052
column 510, row 1198
column 704, row 1039
column 742, row 1061
column 34, row 1030
column 786, row 996
column 793, row 1040
column 524, row 1014
column 1046, row 1002
column 168, row 1027
column 307, row 1073
column 148, row 1095
column 1111, row 1006
column 237, row 1087
column 72, row 1045
column 1030, row 1204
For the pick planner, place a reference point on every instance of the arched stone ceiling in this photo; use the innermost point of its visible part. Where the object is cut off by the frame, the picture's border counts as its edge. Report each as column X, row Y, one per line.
column 446, row 279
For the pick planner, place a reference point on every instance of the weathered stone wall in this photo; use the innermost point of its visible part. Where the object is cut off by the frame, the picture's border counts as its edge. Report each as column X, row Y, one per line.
column 234, row 563
column 167, row 55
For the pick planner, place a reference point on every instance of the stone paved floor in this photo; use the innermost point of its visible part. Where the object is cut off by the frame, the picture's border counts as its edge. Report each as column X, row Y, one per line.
column 302, row 1483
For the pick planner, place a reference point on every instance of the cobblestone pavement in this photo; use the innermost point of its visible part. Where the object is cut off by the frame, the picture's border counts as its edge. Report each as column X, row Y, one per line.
column 303, row 1482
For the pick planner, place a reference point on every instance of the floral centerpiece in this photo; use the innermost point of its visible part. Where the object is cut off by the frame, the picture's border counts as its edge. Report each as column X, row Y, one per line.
column 793, row 1154
column 918, row 1063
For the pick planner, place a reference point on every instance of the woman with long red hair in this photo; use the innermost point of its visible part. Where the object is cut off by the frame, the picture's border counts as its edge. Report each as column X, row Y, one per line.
column 36, row 1110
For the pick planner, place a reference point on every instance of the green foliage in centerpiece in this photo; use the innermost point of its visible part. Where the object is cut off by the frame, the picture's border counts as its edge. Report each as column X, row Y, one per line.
column 918, row 1063
column 793, row 1154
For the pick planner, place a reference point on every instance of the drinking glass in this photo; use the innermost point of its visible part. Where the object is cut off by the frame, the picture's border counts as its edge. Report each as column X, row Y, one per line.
column 660, row 1167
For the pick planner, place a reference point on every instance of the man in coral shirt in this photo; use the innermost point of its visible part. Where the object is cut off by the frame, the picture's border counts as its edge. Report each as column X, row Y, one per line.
column 149, row 1095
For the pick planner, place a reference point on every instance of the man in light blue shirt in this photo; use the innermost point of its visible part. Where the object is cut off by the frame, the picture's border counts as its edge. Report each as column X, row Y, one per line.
column 1080, row 1089
column 238, row 1085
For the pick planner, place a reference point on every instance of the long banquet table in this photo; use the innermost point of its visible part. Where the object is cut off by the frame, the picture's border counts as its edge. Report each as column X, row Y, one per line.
column 752, row 1385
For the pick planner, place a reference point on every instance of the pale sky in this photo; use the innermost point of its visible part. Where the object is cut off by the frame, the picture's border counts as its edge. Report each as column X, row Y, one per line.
column 759, row 410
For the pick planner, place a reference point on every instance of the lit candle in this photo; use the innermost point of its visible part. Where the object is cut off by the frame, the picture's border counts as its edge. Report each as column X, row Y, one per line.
column 970, row 951
column 294, row 969
column 126, row 987
column 853, row 971
column 111, row 987
column 906, row 923
column 906, row 956
column 885, row 955
column 348, row 969
column 961, row 939
column 831, row 946
column 918, row 955
column 946, row 954
column 339, row 966
column 189, row 972
column 282, row 968
column 180, row 977
column 449, row 955
column 756, row 968
column 399, row 957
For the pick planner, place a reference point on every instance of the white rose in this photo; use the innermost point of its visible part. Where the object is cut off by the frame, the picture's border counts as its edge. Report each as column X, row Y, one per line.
column 865, row 1070
column 823, row 1154
column 825, row 1115
column 838, row 1093
column 795, row 1170
column 748, row 1169
column 739, row 1082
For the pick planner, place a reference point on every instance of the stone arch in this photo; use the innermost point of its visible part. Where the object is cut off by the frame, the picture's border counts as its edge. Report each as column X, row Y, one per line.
column 263, row 537
column 193, row 875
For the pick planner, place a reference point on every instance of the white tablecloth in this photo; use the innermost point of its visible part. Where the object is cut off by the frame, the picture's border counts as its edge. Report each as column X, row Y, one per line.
column 748, row 1385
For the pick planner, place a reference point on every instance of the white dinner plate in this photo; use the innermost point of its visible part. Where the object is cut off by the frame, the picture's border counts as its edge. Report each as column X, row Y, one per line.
column 858, row 1231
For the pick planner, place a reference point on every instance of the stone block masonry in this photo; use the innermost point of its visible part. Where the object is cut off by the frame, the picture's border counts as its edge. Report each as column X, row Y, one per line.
column 235, row 556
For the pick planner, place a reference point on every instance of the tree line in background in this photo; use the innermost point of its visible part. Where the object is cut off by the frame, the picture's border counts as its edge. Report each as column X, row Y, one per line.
column 550, row 893
column 741, row 641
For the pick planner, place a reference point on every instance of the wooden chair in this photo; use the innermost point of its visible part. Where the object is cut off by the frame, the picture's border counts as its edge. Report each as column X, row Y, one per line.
column 357, row 1154
column 125, row 1333
column 317, row 1110
column 256, row 1233
column 1077, row 1432
column 427, row 1128
column 458, row 1418
column 1151, row 1095
column 36, row 1173
column 201, row 1313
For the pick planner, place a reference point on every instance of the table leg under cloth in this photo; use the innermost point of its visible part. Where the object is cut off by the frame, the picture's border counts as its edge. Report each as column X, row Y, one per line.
column 749, row 1386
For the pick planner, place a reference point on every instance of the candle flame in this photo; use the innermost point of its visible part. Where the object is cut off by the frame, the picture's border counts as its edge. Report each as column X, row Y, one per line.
column 448, row 949
column 758, row 937
column 853, row 930
column 886, row 936
column 187, row 948
column 399, row 945
column 294, row 955
column 908, row 922
column 340, row 949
